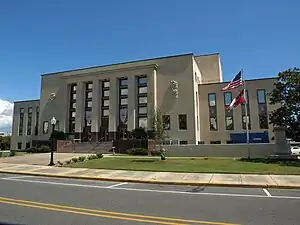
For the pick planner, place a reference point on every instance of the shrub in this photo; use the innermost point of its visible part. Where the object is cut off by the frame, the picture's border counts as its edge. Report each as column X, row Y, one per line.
column 68, row 161
column 138, row 151
column 74, row 160
column 99, row 155
column 155, row 153
column 91, row 157
column 81, row 158
column 59, row 163
column 42, row 149
column 12, row 153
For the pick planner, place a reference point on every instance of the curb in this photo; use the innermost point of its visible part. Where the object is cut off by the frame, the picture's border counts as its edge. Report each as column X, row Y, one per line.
column 151, row 181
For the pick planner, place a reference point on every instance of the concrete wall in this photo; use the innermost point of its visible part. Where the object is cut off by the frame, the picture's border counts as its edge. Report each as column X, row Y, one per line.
column 222, row 134
column 24, row 138
column 229, row 150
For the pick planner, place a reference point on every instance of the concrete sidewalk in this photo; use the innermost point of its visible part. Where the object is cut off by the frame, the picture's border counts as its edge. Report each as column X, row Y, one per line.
column 195, row 179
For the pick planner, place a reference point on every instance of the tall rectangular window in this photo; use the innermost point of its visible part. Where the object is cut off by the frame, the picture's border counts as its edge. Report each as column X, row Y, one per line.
column 212, row 106
column 37, row 117
column 244, row 117
column 166, row 119
column 229, row 125
column 21, row 122
column 29, row 121
column 262, row 109
column 72, row 109
column 88, row 107
column 182, row 120
column 142, row 101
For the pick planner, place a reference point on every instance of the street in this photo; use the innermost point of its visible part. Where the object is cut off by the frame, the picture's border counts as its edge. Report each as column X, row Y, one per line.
column 41, row 201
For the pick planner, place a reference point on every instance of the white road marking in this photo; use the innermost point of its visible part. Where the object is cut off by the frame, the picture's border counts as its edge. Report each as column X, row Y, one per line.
column 17, row 177
column 152, row 190
column 116, row 185
column 267, row 192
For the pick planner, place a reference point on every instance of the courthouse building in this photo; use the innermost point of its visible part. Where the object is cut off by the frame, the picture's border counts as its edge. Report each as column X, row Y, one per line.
column 108, row 101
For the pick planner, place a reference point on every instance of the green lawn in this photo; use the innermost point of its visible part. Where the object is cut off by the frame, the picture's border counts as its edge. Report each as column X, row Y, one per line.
column 210, row 165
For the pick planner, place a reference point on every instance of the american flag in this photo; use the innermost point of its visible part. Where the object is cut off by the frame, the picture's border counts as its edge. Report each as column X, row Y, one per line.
column 236, row 82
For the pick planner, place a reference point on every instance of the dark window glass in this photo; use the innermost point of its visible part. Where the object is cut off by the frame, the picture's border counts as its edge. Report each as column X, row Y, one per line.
column 213, row 123
column 142, row 80
column 227, row 98
column 263, row 122
column 212, row 99
column 27, row 145
column 182, row 122
column 166, row 122
column 229, row 122
column 261, row 96
column 19, row 146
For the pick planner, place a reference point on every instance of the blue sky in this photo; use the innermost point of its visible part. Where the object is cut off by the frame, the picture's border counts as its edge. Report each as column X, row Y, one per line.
column 262, row 37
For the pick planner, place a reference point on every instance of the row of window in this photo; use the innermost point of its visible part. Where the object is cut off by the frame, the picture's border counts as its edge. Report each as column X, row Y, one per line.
column 229, row 119
column 182, row 122
column 29, row 121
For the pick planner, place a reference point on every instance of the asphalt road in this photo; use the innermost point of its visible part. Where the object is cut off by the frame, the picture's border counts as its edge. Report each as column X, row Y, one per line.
column 42, row 201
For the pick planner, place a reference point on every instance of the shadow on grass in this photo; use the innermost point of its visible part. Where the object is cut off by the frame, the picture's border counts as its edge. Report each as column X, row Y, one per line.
column 145, row 160
column 294, row 163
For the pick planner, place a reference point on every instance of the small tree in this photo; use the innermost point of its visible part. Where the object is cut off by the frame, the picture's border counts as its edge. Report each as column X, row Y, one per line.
column 158, row 132
column 287, row 94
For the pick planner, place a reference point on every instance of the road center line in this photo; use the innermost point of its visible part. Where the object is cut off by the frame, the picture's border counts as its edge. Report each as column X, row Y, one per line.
column 267, row 192
column 117, row 185
column 153, row 190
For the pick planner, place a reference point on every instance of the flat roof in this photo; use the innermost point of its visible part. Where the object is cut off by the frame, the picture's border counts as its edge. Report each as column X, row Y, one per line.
column 33, row 100
column 114, row 64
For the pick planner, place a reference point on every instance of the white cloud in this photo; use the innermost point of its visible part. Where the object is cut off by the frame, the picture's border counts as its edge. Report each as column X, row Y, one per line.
column 6, row 115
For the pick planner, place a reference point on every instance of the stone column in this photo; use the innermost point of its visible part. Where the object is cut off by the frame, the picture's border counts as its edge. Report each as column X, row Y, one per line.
column 132, row 99
column 79, row 110
column 152, row 96
column 96, row 109
column 281, row 145
column 113, row 108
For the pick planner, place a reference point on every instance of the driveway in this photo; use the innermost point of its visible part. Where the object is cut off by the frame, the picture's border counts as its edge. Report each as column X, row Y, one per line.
column 40, row 159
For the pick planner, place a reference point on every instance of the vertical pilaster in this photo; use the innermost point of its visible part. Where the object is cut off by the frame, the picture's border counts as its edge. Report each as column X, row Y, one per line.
column 113, row 105
column 79, row 108
column 131, row 102
column 151, row 96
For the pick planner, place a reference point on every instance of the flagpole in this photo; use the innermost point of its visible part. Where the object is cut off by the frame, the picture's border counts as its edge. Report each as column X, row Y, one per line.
column 246, row 112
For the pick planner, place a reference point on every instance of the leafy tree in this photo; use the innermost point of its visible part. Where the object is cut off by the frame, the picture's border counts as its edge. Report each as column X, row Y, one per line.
column 287, row 95
column 5, row 142
column 158, row 131
column 58, row 135
column 139, row 133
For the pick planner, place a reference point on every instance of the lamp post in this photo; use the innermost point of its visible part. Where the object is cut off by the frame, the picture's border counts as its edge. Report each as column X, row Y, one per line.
column 53, row 123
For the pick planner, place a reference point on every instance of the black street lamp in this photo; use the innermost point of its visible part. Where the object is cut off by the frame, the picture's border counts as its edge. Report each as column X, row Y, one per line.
column 53, row 123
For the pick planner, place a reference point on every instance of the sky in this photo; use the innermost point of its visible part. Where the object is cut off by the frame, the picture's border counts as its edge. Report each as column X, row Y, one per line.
column 260, row 37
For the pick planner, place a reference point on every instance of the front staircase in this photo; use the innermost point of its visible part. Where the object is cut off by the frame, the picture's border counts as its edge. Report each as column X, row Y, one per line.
column 84, row 147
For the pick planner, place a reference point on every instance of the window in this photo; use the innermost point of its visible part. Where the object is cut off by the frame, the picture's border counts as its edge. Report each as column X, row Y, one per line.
column 19, row 146
column 166, row 122
column 30, row 110
column 74, row 96
column 182, row 122
column 123, row 101
column 73, row 87
column 143, row 90
column 143, row 100
column 142, row 80
column 229, row 122
column 123, row 82
column 37, row 109
column 21, row 110
column 21, row 122
column 143, row 122
column 89, row 104
column 72, row 126
column 123, row 91
column 263, row 122
column 106, row 102
column 261, row 96
column 213, row 124
column 27, row 145
column 29, row 121
column 74, row 105
column 89, row 86
column 212, row 99
column 45, row 127
column 227, row 98
column 90, row 94
column 106, row 84
column 73, row 114
column 183, row 142
column 105, row 112
column 142, row 110
column 36, row 130
column 106, row 93
column 57, row 126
